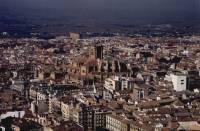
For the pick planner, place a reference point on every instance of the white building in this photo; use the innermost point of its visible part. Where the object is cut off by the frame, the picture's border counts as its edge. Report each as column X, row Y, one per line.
column 118, row 83
column 112, row 83
column 2, row 128
column 16, row 114
column 179, row 81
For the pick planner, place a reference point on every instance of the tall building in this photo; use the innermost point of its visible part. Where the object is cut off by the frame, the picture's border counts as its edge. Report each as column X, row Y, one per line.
column 83, row 115
column 90, row 117
column 99, row 52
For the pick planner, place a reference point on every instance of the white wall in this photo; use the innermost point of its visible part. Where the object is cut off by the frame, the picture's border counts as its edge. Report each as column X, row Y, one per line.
column 2, row 128
column 179, row 82
column 110, row 84
column 17, row 114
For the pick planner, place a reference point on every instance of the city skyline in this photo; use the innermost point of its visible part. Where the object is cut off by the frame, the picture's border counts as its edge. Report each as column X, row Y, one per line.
column 99, row 65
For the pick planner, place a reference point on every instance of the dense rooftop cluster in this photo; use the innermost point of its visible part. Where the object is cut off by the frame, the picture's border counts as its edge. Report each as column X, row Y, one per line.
column 75, row 83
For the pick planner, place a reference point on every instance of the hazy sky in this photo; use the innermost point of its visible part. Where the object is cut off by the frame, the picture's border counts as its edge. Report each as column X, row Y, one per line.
column 116, row 11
